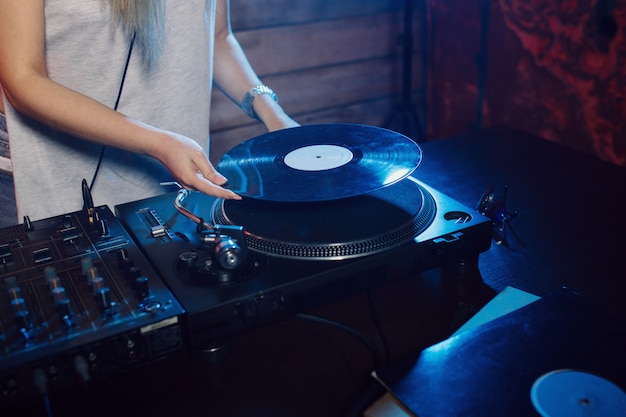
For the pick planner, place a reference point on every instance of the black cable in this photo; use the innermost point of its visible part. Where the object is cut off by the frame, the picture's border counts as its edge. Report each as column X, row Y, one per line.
column 378, row 325
column 117, row 102
column 378, row 357
column 374, row 389
column 342, row 354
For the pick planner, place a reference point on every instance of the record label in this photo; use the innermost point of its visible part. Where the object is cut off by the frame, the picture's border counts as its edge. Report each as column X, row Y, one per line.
column 319, row 162
column 318, row 157
column 566, row 393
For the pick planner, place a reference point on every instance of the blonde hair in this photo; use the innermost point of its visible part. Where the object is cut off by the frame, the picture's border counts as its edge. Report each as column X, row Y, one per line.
column 144, row 19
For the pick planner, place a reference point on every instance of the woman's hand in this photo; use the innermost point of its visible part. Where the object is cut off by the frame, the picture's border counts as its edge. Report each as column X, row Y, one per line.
column 190, row 166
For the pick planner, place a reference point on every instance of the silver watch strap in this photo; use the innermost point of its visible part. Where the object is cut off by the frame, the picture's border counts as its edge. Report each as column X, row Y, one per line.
column 248, row 99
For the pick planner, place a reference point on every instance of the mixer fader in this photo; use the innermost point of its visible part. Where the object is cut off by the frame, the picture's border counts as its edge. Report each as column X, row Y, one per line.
column 77, row 298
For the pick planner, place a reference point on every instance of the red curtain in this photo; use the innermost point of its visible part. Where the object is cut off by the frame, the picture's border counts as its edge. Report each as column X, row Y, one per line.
column 556, row 69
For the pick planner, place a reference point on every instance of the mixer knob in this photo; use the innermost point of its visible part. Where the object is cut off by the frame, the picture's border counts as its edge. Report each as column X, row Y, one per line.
column 141, row 287
column 15, row 293
column 52, row 279
column 62, row 302
column 97, row 283
column 123, row 260
column 64, row 309
column 104, row 298
column 66, row 221
column 85, row 265
column 22, row 320
column 22, row 316
column 103, row 228
column 5, row 253
column 90, row 274
column 20, row 311
column 49, row 272
column 132, row 274
column 28, row 224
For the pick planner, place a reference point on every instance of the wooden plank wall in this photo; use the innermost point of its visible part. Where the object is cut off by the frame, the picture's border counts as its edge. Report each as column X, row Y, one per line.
column 329, row 61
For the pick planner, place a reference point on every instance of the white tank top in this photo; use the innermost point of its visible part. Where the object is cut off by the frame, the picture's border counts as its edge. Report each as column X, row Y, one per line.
column 84, row 53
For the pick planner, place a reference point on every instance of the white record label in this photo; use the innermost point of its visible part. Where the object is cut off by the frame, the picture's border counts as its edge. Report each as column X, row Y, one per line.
column 568, row 393
column 318, row 157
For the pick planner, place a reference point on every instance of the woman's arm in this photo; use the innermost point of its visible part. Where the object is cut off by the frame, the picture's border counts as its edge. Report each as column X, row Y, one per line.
column 24, row 79
column 235, row 76
column 1, row 101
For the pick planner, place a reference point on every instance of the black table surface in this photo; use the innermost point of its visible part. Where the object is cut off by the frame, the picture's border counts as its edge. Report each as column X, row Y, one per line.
column 569, row 230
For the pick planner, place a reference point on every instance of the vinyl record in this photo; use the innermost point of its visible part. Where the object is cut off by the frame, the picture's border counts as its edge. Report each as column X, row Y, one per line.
column 566, row 393
column 319, row 162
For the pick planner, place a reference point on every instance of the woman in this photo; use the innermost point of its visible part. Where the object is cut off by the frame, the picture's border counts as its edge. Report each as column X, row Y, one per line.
column 8, row 213
column 64, row 71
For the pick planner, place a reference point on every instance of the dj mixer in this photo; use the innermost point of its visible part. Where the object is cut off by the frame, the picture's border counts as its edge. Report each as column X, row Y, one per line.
column 78, row 300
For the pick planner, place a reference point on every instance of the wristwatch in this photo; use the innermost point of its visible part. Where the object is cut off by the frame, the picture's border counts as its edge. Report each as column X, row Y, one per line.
column 248, row 98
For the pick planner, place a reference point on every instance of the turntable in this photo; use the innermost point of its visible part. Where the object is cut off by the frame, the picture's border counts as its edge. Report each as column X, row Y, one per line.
column 326, row 210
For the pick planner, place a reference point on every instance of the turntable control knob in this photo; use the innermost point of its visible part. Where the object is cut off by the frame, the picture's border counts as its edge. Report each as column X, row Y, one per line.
column 187, row 258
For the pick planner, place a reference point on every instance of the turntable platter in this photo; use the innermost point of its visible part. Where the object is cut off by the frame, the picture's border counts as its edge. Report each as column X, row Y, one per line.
column 319, row 163
column 328, row 230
